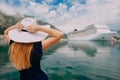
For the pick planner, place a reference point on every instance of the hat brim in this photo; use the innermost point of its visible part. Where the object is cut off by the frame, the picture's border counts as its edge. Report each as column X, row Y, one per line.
column 26, row 37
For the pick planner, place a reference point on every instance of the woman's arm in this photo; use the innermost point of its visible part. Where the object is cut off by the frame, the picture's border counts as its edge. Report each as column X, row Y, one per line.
column 55, row 35
column 16, row 26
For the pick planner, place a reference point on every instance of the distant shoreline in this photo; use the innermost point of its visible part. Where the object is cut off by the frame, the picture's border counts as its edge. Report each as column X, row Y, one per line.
column 1, row 36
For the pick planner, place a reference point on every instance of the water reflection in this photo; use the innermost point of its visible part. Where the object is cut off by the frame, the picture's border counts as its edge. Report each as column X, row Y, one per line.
column 72, row 60
column 91, row 48
column 84, row 60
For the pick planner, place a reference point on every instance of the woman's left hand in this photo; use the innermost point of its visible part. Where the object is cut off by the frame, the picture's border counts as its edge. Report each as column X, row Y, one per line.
column 33, row 28
column 19, row 26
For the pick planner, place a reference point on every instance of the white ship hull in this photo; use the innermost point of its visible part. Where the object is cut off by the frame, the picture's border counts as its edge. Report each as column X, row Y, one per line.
column 106, row 36
column 92, row 33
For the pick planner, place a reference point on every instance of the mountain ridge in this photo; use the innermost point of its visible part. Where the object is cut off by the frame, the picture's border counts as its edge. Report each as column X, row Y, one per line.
column 6, row 21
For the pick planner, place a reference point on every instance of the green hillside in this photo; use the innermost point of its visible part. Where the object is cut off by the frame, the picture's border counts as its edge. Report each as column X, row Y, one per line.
column 6, row 21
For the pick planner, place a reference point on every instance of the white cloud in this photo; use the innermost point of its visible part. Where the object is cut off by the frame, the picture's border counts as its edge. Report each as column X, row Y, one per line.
column 67, row 17
column 7, row 9
column 95, row 11
column 39, row 9
column 48, row 1
column 52, row 13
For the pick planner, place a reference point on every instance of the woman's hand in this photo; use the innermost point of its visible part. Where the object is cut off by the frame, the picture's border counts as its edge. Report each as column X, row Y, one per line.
column 33, row 28
column 19, row 26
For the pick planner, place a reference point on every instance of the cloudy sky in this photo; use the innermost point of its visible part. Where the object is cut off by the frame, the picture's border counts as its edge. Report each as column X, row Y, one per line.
column 67, row 14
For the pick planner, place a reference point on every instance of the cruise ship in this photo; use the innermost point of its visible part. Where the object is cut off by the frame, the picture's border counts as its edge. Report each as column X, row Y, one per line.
column 92, row 32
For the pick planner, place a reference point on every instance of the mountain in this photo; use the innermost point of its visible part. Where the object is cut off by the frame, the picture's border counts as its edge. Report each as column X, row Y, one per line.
column 118, row 31
column 6, row 21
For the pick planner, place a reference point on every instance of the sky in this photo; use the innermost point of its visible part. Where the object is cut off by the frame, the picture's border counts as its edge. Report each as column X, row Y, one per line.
column 67, row 15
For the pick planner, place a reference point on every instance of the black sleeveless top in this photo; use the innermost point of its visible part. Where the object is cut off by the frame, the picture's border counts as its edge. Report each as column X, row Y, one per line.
column 34, row 72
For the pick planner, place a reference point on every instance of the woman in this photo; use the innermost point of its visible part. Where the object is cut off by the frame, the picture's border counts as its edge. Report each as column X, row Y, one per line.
column 26, row 46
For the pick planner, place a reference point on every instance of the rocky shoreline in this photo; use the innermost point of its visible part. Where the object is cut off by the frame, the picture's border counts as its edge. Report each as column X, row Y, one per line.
column 116, row 38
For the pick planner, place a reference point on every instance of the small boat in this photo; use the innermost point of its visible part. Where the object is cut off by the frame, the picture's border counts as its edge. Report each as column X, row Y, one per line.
column 92, row 32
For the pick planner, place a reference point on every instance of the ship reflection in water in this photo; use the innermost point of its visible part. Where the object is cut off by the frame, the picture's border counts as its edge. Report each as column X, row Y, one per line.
column 91, row 48
column 74, row 60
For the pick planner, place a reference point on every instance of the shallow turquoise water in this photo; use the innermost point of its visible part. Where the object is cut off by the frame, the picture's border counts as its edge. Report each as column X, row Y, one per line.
column 72, row 60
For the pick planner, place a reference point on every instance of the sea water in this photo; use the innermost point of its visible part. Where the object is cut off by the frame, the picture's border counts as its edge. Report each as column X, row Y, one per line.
column 72, row 60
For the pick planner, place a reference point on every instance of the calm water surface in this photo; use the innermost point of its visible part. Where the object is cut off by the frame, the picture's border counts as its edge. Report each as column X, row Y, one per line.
column 72, row 60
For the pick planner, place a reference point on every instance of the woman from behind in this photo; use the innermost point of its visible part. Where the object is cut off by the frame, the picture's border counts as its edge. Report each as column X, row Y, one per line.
column 27, row 42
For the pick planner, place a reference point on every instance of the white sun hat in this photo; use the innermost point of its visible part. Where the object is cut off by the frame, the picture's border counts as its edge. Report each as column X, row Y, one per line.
column 27, row 37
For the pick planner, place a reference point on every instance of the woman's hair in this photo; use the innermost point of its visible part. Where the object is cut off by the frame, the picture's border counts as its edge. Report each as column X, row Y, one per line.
column 19, row 55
